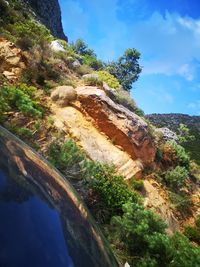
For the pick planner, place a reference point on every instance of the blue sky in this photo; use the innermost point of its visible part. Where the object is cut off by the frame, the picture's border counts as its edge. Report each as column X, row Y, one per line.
column 167, row 33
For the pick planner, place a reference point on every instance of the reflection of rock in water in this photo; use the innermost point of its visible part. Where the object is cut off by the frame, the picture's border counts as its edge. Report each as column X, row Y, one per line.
column 35, row 176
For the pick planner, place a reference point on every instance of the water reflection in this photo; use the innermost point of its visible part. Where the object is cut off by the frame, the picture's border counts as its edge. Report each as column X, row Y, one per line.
column 42, row 222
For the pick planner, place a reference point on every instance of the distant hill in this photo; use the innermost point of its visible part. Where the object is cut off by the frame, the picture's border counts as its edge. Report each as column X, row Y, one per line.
column 172, row 121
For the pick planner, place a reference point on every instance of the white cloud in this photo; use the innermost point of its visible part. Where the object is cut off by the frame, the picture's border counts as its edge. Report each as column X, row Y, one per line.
column 169, row 45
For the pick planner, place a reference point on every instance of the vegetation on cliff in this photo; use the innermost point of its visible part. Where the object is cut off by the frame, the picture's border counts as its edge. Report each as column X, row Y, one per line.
column 136, row 234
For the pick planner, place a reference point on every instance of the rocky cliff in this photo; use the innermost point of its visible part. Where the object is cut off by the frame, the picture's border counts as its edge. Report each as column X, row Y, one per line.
column 172, row 121
column 49, row 13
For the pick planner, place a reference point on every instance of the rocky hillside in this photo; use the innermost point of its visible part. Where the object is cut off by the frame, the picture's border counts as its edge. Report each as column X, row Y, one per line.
column 48, row 12
column 172, row 121
column 65, row 103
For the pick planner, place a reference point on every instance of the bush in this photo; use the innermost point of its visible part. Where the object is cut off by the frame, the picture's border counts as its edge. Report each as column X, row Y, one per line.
column 141, row 236
column 140, row 233
column 15, row 98
column 24, row 132
column 92, row 61
column 83, row 69
column 193, row 232
column 174, row 154
column 111, row 188
column 176, row 178
column 137, row 184
column 181, row 203
column 106, row 77
column 31, row 32
column 93, row 81
column 66, row 157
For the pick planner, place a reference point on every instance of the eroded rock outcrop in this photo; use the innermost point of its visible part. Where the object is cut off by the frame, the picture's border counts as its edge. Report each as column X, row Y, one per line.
column 11, row 60
column 96, row 145
column 122, row 126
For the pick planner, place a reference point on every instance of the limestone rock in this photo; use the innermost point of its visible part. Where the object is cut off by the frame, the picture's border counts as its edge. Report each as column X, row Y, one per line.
column 57, row 46
column 63, row 95
column 126, row 129
column 167, row 134
column 96, row 145
column 12, row 61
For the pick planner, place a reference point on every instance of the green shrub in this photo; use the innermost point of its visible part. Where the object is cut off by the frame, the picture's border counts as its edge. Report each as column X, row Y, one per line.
column 193, row 232
column 16, row 98
column 141, row 236
column 174, row 154
column 66, row 157
column 137, row 184
column 83, row 69
column 24, row 132
column 181, row 203
column 176, row 178
column 185, row 254
column 108, row 78
column 93, row 81
column 31, row 31
column 140, row 233
column 111, row 188
column 182, row 157
column 92, row 61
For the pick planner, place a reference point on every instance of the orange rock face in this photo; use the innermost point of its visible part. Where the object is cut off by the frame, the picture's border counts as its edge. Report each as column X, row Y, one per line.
column 122, row 126
column 11, row 60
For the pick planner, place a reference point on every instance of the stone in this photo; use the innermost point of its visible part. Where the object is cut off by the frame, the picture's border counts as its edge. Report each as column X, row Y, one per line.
column 167, row 134
column 63, row 95
column 76, row 64
column 126, row 129
column 12, row 60
column 57, row 46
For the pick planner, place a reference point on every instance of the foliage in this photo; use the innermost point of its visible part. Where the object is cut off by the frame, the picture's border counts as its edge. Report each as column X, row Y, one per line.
column 126, row 69
column 181, row 202
column 194, row 170
column 140, row 234
column 88, row 57
column 41, row 66
column 93, row 81
column 92, row 61
column 175, row 178
column 24, row 132
column 137, row 184
column 184, row 253
column 175, row 154
column 81, row 48
column 29, row 33
column 65, row 156
column 184, row 134
column 111, row 188
column 17, row 98
column 193, row 232
column 106, row 77
column 83, row 69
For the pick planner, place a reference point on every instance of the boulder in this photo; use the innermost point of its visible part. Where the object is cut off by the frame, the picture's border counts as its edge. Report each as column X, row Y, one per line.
column 63, row 95
column 57, row 46
column 166, row 134
column 126, row 129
